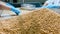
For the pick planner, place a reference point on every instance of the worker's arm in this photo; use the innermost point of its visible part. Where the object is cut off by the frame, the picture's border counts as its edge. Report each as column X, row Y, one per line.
column 48, row 2
column 4, row 7
column 12, row 8
column 7, row 6
column 45, row 4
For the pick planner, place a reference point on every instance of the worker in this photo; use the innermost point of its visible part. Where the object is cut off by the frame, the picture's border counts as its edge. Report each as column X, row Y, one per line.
column 7, row 6
column 52, row 4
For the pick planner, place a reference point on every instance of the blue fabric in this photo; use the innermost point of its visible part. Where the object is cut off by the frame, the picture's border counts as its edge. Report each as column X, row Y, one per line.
column 51, row 6
column 54, row 2
column 17, row 11
column 7, row 4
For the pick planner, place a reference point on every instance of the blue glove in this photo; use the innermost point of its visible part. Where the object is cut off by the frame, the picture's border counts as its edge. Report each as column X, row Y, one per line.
column 17, row 11
column 7, row 4
column 51, row 6
column 43, row 7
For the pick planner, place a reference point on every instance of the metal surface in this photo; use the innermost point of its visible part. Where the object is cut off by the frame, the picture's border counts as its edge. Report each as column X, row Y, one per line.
column 1, row 11
column 57, row 10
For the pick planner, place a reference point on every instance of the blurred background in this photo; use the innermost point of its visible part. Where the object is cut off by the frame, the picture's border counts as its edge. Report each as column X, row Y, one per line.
column 18, row 3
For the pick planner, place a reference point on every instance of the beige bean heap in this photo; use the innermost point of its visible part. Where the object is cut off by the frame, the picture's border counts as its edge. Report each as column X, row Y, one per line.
column 43, row 21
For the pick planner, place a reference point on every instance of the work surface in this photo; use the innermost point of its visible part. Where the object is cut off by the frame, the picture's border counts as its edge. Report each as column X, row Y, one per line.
column 8, row 14
column 56, row 10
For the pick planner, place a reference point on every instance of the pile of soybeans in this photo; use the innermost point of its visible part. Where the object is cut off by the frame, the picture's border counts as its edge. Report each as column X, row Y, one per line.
column 43, row 21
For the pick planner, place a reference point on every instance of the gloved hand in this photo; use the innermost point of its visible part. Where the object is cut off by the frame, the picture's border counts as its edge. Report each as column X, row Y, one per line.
column 51, row 6
column 12, row 8
column 15, row 10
